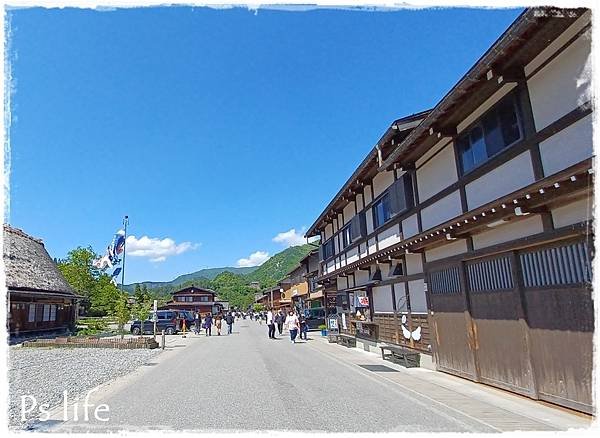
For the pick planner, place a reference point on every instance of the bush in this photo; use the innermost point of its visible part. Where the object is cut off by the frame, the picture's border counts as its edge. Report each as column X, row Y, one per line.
column 322, row 327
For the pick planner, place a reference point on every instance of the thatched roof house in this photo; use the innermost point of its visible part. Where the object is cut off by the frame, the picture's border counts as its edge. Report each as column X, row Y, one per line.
column 39, row 296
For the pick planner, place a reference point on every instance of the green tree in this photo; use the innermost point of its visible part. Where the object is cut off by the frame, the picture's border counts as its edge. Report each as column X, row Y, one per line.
column 258, row 307
column 121, row 311
column 79, row 272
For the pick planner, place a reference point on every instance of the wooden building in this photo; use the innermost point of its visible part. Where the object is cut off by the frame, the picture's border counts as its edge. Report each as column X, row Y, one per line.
column 466, row 231
column 39, row 298
column 196, row 299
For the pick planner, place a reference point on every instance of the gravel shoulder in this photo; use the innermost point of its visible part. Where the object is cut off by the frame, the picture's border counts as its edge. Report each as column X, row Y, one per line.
column 45, row 373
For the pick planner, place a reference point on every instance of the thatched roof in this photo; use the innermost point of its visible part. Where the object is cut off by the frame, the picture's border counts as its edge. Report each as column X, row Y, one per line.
column 28, row 265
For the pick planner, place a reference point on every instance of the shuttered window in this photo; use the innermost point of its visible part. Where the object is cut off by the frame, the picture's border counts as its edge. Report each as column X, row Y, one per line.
column 490, row 275
column 31, row 317
column 444, row 281
column 562, row 265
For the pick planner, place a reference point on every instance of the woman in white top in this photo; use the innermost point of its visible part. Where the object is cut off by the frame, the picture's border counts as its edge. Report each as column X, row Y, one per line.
column 271, row 324
column 292, row 324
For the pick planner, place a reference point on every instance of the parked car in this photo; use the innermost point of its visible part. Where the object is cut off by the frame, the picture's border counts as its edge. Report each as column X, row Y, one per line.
column 315, row 317
column 188, row 316
column 166, row 320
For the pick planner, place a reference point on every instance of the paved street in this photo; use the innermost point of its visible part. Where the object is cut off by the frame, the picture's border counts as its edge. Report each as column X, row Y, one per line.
column 248, row 382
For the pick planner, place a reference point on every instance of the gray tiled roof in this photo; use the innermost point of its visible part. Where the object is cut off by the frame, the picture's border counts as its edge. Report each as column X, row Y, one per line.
column 29, row 266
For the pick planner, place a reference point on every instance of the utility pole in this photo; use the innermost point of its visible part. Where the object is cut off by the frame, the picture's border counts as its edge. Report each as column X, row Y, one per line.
column 125, row 223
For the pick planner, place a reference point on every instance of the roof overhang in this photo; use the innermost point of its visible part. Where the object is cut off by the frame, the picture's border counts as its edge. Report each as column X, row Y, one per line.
column 503, row 62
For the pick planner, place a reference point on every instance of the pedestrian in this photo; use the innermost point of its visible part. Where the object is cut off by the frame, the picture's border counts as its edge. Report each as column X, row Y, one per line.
column 208, row 324
column 197, row 322
column 271, row 324
column 303, row 327
column 279, row 319
column 229, row 320
column 292, row 324
column 218, row 320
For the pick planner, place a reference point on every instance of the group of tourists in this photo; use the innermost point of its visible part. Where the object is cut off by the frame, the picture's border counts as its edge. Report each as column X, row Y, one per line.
column 294, row 322
column 208, row 321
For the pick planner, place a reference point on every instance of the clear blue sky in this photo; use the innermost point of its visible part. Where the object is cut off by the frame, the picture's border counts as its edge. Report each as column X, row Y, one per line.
column 219, row 128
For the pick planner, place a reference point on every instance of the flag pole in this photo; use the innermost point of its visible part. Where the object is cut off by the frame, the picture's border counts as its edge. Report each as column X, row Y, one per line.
column 125, row 223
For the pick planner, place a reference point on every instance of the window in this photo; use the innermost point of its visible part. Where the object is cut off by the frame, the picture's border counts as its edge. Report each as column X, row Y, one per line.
column 397, row 199
column 328, row 250
column 490, row 275
column 346, row 236
column 46, row 316
column 382, row 211
column 203, row 299
column 496, row 130
column 53, row 312
column 31, row 317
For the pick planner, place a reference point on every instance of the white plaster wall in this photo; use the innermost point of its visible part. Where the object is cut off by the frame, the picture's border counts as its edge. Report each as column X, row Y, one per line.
column 567, row 147
column 578, row 211
column 367, row 194
column 414, row 264
column 418, row 301
column 507, row 178
column 503, row 91
column 441, row 211
column 557, row 43
column 509, row 231
column 382, row 299
column 400, row 292
column 340, row 221
column 437, row 174
column 336, row 244
column 563, row 84
column 382, row 181
column 389, row 237
column 436, row 147
column 360, row 202
column 410, row 226
column 458, row 246
column 330, row 267
column 352, row 255
column 328, row 231
column 349, row 212
column 372, row 246
column 362, row 249
column 342, row 262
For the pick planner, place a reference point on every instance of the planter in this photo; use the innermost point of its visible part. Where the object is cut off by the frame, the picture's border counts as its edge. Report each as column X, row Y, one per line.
column 324, row 332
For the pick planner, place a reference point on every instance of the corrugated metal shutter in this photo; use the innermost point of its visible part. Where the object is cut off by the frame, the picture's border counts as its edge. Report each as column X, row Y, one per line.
column 562, row 265
column 444, row 281
column 490, row 275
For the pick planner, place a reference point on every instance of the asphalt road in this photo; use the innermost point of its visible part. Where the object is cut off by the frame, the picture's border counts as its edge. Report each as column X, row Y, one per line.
column 246, row 381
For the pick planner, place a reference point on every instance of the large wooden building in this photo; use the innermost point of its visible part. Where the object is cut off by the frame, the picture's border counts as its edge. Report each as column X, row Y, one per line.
column 39, row 298
column 196, row 299
column 466, row 232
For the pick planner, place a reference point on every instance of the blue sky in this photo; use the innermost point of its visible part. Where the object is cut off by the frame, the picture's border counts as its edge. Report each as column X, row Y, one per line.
column 216, row 130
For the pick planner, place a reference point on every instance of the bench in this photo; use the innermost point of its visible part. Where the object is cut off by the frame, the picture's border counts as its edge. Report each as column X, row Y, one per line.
column 347, row 341
column 400, row 355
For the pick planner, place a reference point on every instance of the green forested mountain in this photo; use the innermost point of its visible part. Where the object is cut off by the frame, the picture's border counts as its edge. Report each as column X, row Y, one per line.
column 232, row 284
column 275, row 269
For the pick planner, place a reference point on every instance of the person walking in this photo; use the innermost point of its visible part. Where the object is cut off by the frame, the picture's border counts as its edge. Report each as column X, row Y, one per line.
column 208, row 324
column 303, row 327
column 197, row 322
column 218, row 321
column 271, row 324
column 279, row 319
column 292, row 324
column 229, row 320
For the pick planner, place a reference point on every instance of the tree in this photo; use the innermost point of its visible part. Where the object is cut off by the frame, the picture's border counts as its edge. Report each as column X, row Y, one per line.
column 258, row 307
column 121, row 311
column 79, row 272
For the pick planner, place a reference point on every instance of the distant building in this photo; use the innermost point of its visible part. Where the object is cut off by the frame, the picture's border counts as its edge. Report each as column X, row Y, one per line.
column 196, row 299
column 39, row 297
column 255, row 285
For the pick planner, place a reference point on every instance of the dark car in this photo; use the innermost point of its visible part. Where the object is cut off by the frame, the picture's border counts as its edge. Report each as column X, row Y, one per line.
column 166, row 320
column 315, row 317
column 188, row 316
